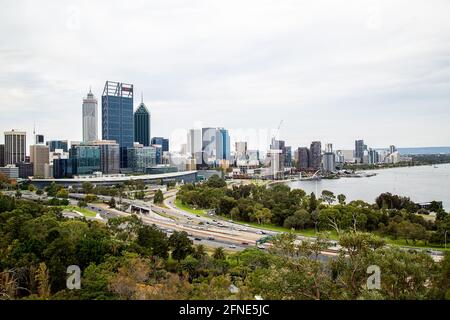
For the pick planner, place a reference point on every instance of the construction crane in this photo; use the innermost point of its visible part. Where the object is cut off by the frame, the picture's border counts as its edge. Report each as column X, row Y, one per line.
column 278, row 130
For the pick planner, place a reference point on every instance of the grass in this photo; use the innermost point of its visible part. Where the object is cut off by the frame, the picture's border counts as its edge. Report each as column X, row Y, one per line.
column 85, row 212
column 189, row 209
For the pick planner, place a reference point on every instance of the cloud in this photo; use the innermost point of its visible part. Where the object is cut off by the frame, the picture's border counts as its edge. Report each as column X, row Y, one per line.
column 333, row 70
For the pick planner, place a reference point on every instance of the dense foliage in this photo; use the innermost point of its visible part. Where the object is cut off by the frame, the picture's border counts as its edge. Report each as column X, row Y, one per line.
column 390, row 215
column 126, row 259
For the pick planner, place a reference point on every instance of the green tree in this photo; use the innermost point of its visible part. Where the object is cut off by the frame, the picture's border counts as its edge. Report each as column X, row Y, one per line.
column 181, row 245
column 159, row 197
column 341, row 198
column 62, row 193
column 112, row 202
column 219, row 254
column 154, row 241
column 328, row 196
column 312, row 202
column 215, row 182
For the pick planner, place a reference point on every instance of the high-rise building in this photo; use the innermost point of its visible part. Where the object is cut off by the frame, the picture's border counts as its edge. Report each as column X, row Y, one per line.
column 117, row 116
column 142, row 125
column 281, row 156
column 39, row 139
column 315, row 155
column 26, row 170
column 141, row 157
column 359, row 150
column 39, row 156
column 62, row 168
column 2, row 155
column 11, row 171
column 15, row 146
column 109, row 156
column 392, row 149
column 241, row 151
column 194, row 145
column 58, row 144
column 223, row 151
column 329, row 159
column 288, row 156
column 302, row 158
column 85, row 159
column 90, row 118
column 164, row 143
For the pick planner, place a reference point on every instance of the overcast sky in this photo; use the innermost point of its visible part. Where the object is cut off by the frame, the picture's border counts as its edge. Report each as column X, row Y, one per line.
column 333, row 70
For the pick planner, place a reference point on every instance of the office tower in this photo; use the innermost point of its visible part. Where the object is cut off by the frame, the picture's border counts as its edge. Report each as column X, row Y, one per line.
column 25, row 169
column 39, row 156
column 62, row 168
column 164, row 143
column 359, row 150
column 141, row 157
column 58, row 144
column 2, row 155
column 315, row 155
column 158, row 153
column 329, row 159
column 253, row 158
column 209, row 148
column 194, row 145
column 241, row 150
column 288, row 156
column 85, row 159
column 392, row 149
column 15, row 146
column 109, row 156
column 223, row 151
column 39, row 139
column 117, row 116
column 142, row 125
column 10, row 171
column 374, row 156
column 302, row 158
column 90, row 118
column 281, row 156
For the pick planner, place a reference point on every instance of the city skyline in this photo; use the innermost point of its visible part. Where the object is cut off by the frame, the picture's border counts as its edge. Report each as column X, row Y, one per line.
column 264, row 65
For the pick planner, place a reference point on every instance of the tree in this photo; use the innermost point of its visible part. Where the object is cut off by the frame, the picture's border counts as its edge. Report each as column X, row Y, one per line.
column 219, row 254
column 215, row 182
column 341, row 199
column 31, row 188
column 18, row 194
column 199, row 252
column 181, row 245
column 87, row 187
column 262, row 215
column 42, row 278
column 328, row 196
column 62, row 193
column 112, row 202
column 39, row 192
column 82, row 204
column 312, row 202
column 153, row 240
column 159, row 197
column 299, row 220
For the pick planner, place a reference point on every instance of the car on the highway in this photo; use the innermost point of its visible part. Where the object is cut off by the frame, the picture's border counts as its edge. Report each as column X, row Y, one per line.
column 232, row 246
column 211, row 238
column 198, row 215
column 259, row 232
column 261, row 247
column 245, row 243
column 197, row 238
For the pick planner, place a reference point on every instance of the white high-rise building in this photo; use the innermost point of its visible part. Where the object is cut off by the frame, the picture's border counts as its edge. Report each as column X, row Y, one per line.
column 15, row 146
column 90, row 118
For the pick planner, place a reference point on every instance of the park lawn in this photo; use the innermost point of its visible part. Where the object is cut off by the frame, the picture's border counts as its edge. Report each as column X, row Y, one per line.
column 85, row 212
column 189, row 209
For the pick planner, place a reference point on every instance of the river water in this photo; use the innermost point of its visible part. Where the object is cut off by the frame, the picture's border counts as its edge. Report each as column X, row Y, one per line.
column 421, row 184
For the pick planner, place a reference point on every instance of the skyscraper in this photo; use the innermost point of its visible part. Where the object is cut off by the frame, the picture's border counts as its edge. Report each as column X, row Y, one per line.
column 315, row 155
column 90, row 118
column 117, row 116
column 329, row 159
column 2, row 155
column 223, row 151
column 39, row 139
column 15, row 146
column 142, row 125
column 85, row 159
column 302, row 158
column 359, row 150
column 58, row 144
column 109, row 156
column 164, row 143
column 39, row 156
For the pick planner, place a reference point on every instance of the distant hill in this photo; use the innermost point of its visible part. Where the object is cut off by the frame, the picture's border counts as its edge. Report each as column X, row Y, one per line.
column 424, row 150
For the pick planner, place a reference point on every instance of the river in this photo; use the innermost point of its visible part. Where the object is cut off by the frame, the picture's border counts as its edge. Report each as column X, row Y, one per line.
column 421, row 184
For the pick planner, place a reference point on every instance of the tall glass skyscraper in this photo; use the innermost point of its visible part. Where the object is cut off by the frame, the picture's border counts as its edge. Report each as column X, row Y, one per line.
column 164, row 143
column 142, row 125
column 117, row 116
